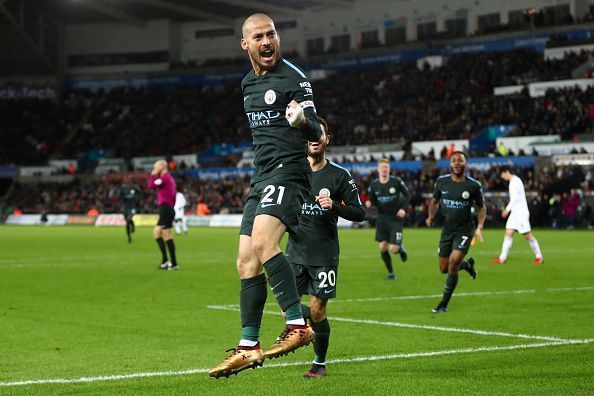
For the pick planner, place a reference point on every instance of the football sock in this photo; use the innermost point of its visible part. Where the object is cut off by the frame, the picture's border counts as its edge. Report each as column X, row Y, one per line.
column 306, row 310
column 252, row 298
column 535, row 247
column 185, row 225
column 161, row 244
column 177, row 227
column 281, row 279
column 507, row 244
column 387, row 261
column 450, row 286
column 128, row 231
column 321, row 340
column 171, row 248
column 132, row 226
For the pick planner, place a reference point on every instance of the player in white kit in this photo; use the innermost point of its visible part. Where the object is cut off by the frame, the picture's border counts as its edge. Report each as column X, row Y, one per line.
column 180, row 221
column 519, row 218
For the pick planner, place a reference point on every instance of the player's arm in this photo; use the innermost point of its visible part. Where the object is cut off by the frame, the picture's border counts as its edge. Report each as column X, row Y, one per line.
column 406, row 195
column 303, row 115
column 481, row 215
column 433, row 205
column 371, row 198
column 154, row 182
column 515, row 191
column 351, row 209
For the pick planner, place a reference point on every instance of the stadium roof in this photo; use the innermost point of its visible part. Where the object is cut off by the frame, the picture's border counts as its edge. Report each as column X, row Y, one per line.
column 139, row 11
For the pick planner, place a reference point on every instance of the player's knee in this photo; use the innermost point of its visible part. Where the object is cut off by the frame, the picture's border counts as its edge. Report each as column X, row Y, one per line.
column 383, row 247
column 394, row 249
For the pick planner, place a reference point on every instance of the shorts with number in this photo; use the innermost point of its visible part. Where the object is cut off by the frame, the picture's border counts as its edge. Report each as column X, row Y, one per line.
column 316, row 281
column 281, row 196
column 390, row 231
column 519, row 222
column 454, row 240
column 166, row 215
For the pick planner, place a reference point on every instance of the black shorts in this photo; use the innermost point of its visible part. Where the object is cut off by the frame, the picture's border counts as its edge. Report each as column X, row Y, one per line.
column 390, row 231
column 316, row 281
column 166, row 216
column 454, row 240
column 280, row 196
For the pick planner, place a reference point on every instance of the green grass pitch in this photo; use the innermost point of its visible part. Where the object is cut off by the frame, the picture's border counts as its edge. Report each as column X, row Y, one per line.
column 80, row 306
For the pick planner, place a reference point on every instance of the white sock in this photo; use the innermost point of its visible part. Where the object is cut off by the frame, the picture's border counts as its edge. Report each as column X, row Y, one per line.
column 177, row 229
column 247, row 343
column 535, row 247
column 185, row 225
column 296, row 322
column 507, row 244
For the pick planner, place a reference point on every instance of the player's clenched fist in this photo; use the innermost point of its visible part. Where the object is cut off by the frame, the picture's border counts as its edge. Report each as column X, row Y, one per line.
column 294, row 114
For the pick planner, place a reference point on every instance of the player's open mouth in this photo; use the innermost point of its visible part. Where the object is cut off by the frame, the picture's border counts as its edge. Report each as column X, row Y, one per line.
column 268, row 54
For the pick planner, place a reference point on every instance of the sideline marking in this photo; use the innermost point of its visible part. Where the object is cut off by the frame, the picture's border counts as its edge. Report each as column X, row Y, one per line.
column 276, row 365
column 417, row 326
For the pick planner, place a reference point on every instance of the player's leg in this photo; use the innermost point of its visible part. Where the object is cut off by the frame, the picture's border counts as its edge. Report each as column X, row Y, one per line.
column 453, row 263
column 128, row 218
column 167, row 233
column 321, row 327
column 396, row 246
column 538, row 259
column 158, row 235
column 177, row 225
column 387, row 259
column 184, row 221
column 252, row 298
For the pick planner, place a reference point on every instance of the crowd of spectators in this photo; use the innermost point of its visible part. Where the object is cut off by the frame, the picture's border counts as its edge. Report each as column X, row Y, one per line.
column 397, row 103
column 556, row 196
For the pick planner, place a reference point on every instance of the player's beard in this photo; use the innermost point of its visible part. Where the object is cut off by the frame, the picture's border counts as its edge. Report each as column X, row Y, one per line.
column 256, row 58
column 460, row 173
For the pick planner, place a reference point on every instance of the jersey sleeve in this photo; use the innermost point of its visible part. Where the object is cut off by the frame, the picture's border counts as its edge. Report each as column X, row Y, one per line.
column 406, row 194
column 300, row 90
column 479, row 199
column 351, row 209
column 436, row 191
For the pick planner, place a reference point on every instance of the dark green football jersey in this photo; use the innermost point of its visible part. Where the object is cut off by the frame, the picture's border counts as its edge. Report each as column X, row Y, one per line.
column 278, row 147
column 130, row 195
column 389, row 197
column 316, row 243
column 456, row 200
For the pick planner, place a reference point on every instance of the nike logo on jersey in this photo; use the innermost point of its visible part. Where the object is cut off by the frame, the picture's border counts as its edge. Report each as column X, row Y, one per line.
column 265, row 205
column 444, row 192
column 245, row 97
column 328, row 291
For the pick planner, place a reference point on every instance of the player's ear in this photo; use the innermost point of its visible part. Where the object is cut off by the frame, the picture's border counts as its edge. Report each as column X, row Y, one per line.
column 244, row 44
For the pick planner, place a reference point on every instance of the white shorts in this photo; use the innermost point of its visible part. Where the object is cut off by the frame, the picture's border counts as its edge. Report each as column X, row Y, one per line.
column 179, row 214
column 520, row 223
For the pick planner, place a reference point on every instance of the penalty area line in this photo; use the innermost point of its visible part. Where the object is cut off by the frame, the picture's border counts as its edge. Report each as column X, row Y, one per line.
column 289, row 364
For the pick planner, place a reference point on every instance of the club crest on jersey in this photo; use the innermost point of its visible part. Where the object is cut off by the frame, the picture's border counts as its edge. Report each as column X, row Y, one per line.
column 392, row 190
column 324, row 192
column 465, row 194
column 270, row 97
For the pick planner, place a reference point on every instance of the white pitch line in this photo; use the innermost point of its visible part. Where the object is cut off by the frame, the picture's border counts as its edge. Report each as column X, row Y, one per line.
column 562, row 289
column 416, row 326
column 277, row 365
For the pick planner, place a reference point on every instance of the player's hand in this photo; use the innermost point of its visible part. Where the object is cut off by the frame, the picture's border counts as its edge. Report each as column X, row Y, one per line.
column 429, row 221
column 294, row 114
column 479, row 234
column 324, row 201
column 505, row 213
column 368, row 204
column 401, row 213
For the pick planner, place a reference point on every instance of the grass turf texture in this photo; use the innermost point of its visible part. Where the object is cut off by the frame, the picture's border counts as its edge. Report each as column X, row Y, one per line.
column 80, row 302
